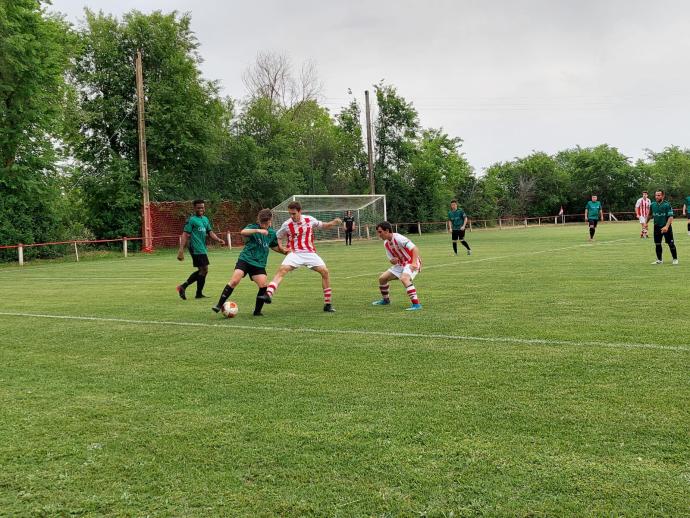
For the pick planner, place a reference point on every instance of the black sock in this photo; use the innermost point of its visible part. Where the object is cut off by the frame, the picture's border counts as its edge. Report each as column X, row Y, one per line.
column 674, row 253
column 259, row 303
column 591, row 232
column 658, row 251
column 200, row 285
column 688, row 226
column 464, row 243
column 455, row 247
column 192, row 279
column 227, row 291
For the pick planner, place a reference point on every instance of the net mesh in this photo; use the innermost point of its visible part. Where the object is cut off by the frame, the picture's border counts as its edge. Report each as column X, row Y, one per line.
column 367, row 211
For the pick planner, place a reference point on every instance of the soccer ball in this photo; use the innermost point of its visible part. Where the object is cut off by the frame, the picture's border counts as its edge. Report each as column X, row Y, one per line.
column 230, row 309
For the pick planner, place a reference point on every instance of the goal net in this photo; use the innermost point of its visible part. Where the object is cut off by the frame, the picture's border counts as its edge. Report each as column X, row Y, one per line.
column 367, row 211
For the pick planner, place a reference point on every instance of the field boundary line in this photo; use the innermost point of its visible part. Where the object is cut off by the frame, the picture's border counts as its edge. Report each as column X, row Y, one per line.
column 496, row 257
column 361, row 332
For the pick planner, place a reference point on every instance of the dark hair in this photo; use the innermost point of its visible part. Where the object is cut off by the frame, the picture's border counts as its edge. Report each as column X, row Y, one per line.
column 645, row 192
column 264, row 215
column 198, row 202
column 295, row 205
column 454, row 201
column 384, row 225
column 661, row 191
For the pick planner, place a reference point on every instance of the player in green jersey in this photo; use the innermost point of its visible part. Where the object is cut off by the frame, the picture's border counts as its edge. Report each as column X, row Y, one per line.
column 195, row 231
column 662, row 213
column 259, row 237
column 593, row 213
column 457, row 219
column 686, row 211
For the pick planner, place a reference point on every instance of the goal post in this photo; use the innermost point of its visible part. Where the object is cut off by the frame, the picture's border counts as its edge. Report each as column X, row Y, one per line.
column 367, row 210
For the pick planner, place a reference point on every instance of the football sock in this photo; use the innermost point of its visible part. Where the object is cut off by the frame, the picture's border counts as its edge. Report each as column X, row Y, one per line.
column 227, row 291
column 412, row 293
column 385, row 289
column 688, row 226
column 259, row 303
column 591, row 232
column 455, row 247
column 201, row 280
column 191, row 280
column 464, row 243
column 271, row 289
column 658, row 251
column 327, row 295
column 674, row 252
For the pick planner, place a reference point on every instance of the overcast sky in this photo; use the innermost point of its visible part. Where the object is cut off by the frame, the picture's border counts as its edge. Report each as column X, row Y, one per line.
column 508, row 77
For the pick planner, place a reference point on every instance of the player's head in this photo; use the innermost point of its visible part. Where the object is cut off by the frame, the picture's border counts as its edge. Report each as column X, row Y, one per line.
column 453, row 204
column 594, row 197
column 645, row 194
column 295, row 210
column 659, row 195
column 264, row 217
column 199, row 207
column 348, row 213
column 384, row 230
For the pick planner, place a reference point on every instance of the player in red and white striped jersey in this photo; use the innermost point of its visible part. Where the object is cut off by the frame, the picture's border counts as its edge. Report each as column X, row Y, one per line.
column 642, row 208
column 299, row 232
column 404, row 256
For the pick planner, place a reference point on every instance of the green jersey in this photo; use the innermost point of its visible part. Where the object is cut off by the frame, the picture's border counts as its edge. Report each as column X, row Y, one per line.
column 197, row 227
column 255, row 251
column 593, row 209
column 687, row 204
column 661, row 212
column 457, row 218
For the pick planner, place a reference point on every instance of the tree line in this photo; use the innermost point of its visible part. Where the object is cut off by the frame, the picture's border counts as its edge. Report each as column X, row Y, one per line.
column 69, row 144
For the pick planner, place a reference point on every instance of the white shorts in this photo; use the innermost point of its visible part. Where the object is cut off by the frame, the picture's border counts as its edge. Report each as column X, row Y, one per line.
column 308, row 259
column 643, row 220
column 398, row 271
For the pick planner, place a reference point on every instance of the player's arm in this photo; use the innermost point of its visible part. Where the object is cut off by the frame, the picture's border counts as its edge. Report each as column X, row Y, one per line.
column 184, row 238
column 464, row 224
column 685, row 209
column 215, row 237
column 586, row 213
column 414, row 251
column 669, row 222
column 278, row 248
column 246, row 232
column 331, row 224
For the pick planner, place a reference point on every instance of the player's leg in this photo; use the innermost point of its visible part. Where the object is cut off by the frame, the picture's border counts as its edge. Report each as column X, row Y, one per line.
column 464, row 243
column 194, row 277
column 229, row 287
column 201, row 282
column 384, row 288
column 326, row 284
column 668, row 236
column 267, row 297
column 592, row 228
column 657, row 244
column 689, row 222
column 260, row 280
column 455, row 236
column 406, row 278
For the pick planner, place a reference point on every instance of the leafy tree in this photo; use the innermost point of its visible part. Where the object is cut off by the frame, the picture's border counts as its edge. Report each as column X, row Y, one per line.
column 668, row 170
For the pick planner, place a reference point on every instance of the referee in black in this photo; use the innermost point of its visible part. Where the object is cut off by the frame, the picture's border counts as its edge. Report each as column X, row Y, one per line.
column 349, row 225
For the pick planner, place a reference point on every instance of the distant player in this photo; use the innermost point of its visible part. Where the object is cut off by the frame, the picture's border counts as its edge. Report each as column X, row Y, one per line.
column 195, row 231
column 299, row 231
column 662, row 213
column 259, row 237
column 642, row 213
column 349, row 226
column 404, row 256
column 593, row 213
column 686, row 211
column 457, row 219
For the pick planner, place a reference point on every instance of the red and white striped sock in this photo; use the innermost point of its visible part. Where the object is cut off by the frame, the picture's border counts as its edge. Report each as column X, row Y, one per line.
column 271, row 289
column 412, row 293
column 327, row 295
column 385, row 289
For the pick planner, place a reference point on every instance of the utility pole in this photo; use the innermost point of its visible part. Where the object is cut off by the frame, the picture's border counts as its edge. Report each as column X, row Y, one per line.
column 143, row 164
column 372, row 187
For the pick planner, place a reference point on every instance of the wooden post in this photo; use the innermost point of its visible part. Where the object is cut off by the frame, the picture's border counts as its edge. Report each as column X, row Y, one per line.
column 20, row 251
column 124, row 246
column 525, row 222
column 76, row 252
column 396, row 228
column 500, row 224
column 470, row 222
column 370, row 152
column 368, row 237
column 143, row 162
column 419, row 228
column 229, row 240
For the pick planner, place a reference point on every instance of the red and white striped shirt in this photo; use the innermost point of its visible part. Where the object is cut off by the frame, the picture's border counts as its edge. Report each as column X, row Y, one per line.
column 642, row 207
column 400, row 248
column 300, row 235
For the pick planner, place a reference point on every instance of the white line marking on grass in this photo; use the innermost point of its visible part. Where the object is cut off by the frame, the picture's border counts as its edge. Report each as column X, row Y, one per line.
column 361, row 332
column 494, row 258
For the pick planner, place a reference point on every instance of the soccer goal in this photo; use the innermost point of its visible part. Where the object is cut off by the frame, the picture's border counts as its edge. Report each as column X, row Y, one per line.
column 367, row 210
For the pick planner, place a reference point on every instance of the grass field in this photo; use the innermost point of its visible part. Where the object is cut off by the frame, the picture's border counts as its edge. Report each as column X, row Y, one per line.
column 545, row 376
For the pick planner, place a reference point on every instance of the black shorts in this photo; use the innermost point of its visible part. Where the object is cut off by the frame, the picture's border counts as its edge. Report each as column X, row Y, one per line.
column 458, row 234
column 249, row 269
column 593, row 222
column 200, row 260
column 658, row 235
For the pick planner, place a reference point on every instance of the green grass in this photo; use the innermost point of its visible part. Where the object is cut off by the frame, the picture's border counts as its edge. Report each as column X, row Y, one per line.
column 466, row 415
